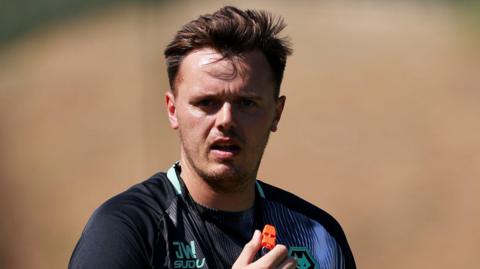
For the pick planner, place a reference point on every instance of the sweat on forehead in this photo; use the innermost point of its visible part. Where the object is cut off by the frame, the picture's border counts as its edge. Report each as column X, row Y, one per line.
column 224, row 67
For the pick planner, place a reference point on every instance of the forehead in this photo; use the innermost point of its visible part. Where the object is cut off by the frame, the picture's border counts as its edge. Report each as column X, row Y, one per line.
column 206, row 69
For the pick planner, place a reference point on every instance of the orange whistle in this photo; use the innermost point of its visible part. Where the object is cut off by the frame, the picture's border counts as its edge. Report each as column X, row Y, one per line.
column 269, row 236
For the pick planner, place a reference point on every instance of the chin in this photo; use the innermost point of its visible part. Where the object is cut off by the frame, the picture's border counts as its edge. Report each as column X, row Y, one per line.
column 226, row 177
column 225, row 171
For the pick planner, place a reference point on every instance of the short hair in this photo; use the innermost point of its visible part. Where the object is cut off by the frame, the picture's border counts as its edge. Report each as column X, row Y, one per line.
column 232, row 31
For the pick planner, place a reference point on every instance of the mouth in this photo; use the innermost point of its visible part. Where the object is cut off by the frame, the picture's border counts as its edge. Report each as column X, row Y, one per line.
column 225, row 149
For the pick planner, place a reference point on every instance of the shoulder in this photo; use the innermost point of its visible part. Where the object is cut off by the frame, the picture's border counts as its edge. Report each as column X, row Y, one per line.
column 123, row 231
column 146, row 199
column 299, row 205
column 296, row 204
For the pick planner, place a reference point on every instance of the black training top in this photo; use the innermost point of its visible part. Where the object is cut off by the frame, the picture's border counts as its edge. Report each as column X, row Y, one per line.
column 156, row 224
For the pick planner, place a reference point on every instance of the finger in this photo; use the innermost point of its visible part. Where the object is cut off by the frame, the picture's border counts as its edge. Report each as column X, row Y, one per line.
column 250, row 250
column 274, row 257
column 288, row 263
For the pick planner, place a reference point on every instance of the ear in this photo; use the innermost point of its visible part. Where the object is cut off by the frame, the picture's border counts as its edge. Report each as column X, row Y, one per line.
column 280, row 103
column 171, row 109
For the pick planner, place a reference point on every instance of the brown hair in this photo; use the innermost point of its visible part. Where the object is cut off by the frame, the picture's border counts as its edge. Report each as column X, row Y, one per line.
column 231, row 31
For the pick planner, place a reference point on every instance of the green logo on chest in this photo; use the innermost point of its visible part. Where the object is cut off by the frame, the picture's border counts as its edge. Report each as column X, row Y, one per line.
column 186, row 256
column 305, row 259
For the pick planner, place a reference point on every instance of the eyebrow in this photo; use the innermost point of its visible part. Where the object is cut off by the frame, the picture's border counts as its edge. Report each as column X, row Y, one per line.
column 236, row 96
column 250, row 95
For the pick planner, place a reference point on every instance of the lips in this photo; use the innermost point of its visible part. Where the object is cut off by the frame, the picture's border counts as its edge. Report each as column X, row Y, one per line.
column 225, row 148
column 230, row 148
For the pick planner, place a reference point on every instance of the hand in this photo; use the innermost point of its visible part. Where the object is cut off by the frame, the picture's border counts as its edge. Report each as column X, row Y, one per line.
column 275, row 258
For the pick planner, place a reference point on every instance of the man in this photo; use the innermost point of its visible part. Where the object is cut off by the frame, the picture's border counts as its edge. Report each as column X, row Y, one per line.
column 225, row 72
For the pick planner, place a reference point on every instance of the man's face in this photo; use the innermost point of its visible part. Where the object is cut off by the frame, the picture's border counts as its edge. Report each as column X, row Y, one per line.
column 224, row 111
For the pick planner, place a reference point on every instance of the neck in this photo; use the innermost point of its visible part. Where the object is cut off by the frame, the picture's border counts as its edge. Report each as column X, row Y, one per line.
column 205, row 194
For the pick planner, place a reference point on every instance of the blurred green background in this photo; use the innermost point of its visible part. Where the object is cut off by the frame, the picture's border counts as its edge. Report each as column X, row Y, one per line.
column 381, row 125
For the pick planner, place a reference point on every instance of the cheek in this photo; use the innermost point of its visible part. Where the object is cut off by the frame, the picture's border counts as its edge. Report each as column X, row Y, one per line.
column 194, row 124
column 258, row 125
column 188, row 118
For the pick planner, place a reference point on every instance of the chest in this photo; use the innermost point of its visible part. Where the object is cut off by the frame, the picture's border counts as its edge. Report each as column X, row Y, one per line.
column 192, row 240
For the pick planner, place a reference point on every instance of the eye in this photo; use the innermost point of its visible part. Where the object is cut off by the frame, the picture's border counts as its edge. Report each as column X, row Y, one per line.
column 244, row 102
column 206, row 103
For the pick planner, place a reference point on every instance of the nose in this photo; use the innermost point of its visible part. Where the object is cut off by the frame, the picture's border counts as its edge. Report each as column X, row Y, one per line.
column 225, row 119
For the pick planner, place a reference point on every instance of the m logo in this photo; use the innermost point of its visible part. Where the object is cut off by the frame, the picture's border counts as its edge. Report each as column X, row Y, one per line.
column 186, row 256
column 304, row 259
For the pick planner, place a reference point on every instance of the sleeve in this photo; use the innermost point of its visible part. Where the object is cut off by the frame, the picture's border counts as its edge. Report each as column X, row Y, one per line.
column 113, row 238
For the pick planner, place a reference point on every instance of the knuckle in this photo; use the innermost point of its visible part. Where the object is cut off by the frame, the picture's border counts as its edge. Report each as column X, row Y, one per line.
column 248, row 249
column 282, row 248
column 250, row 246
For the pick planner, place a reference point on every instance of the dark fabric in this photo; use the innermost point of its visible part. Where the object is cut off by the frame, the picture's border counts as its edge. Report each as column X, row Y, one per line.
column 151, row 226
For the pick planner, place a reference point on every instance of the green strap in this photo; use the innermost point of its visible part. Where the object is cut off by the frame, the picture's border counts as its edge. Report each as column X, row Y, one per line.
column 260, row 189
column 172, row 177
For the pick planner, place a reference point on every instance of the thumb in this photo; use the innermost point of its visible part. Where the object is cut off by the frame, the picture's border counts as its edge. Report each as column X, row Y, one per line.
column 249, row 250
